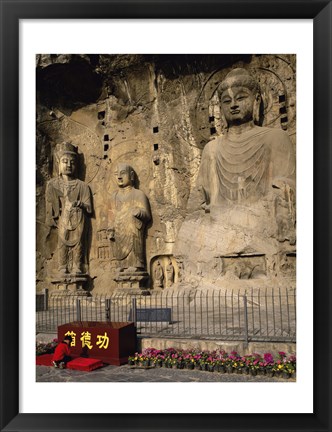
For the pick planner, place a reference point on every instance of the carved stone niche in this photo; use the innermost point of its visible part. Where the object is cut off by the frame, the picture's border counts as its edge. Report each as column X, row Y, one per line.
column 252, row 266
column 103, row 245
column 164, row 272
column 287, row 263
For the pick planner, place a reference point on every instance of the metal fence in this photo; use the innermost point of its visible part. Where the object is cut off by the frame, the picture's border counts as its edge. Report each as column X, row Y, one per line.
column 257, row 315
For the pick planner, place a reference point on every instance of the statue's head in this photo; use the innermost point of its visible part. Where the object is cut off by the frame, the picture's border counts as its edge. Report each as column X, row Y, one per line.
column 125, row 175
column 240, row 97
column 66, row 155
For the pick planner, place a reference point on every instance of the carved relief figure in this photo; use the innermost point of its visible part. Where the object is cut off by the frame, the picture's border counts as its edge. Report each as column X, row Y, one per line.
column 158, row 276
column 248, row 162
column 68, row 203
column 169, row 273
column 130, row 211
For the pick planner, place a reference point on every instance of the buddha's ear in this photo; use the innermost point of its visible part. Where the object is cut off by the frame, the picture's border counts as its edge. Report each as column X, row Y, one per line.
column 256, row 108
column 223, row 122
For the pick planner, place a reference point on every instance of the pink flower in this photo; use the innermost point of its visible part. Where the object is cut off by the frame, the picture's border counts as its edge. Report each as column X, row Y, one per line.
column 268, row 358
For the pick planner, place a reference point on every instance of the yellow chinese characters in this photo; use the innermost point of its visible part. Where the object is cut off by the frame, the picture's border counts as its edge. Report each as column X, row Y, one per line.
column 86, row 339
column 73, row 336
column 103, row 341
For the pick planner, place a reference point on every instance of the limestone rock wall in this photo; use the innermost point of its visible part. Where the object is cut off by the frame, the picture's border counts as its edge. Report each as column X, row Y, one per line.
column 156, row 113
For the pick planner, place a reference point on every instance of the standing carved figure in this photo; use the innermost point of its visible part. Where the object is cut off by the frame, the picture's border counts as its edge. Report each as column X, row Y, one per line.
column 158, row 276
column 170, row 273
column 68, row 203
column 130, row 212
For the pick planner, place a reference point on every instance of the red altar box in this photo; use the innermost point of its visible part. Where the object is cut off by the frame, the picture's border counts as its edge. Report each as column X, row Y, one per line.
column 111, row 342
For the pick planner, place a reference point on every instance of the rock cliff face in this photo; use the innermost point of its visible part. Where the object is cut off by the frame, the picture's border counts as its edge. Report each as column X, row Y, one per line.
column 156, row 113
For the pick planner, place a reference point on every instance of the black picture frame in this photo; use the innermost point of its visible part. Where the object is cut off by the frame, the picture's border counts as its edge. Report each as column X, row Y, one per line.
column 11, row 12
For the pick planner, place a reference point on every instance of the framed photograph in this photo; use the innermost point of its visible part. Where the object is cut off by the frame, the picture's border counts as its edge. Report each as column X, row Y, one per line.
column 272, row 39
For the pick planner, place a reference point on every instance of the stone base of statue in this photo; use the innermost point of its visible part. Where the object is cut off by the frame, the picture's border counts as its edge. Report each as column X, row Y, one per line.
column 235, row 248
column 70, row 284
column 132, row 281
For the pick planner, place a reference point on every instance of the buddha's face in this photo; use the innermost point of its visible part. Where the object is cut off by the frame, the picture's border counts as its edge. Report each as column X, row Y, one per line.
column 237, row 105
column 67, row 165
column 123, row 176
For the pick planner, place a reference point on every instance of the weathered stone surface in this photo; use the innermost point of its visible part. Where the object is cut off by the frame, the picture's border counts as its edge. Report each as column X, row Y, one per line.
column 157, row 114
column 214, row 345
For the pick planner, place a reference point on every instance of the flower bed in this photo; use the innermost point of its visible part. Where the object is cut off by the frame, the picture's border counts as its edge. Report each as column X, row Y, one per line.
column 281, row 365
column 46, row 348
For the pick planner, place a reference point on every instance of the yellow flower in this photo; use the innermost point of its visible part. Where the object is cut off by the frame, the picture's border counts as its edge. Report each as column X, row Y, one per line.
column 235, row 364
column 280, row 366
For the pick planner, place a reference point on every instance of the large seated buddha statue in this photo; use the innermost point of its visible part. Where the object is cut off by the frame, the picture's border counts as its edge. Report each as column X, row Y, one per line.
column 241, row 214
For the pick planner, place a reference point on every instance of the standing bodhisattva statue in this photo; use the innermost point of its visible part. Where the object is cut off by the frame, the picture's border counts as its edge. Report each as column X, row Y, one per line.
column 158, row 275
column 68, row 202
column 170, row 273
column 130, row 211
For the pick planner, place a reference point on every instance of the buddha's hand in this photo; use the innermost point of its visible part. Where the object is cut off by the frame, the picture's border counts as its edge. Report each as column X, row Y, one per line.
column 78, row 204
column 138, row 213
column 50, row 222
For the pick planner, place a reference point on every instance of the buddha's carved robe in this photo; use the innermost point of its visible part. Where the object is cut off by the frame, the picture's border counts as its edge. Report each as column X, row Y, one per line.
column 128, row 239
column 245, row 169
column 69, row 219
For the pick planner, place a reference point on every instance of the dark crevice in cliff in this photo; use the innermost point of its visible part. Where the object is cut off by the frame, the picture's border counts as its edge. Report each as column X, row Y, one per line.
column 68, row 86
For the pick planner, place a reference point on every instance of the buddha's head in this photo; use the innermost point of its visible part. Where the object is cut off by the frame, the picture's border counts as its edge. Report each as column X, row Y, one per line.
column 240, row 97
column 124, row 175
column 66, row 155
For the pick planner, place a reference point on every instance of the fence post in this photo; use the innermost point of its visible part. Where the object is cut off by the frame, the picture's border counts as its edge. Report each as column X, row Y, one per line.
column 108, row 309
column 134, row 309
column 45, row 299
column 78, row 310
column 246, row 339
